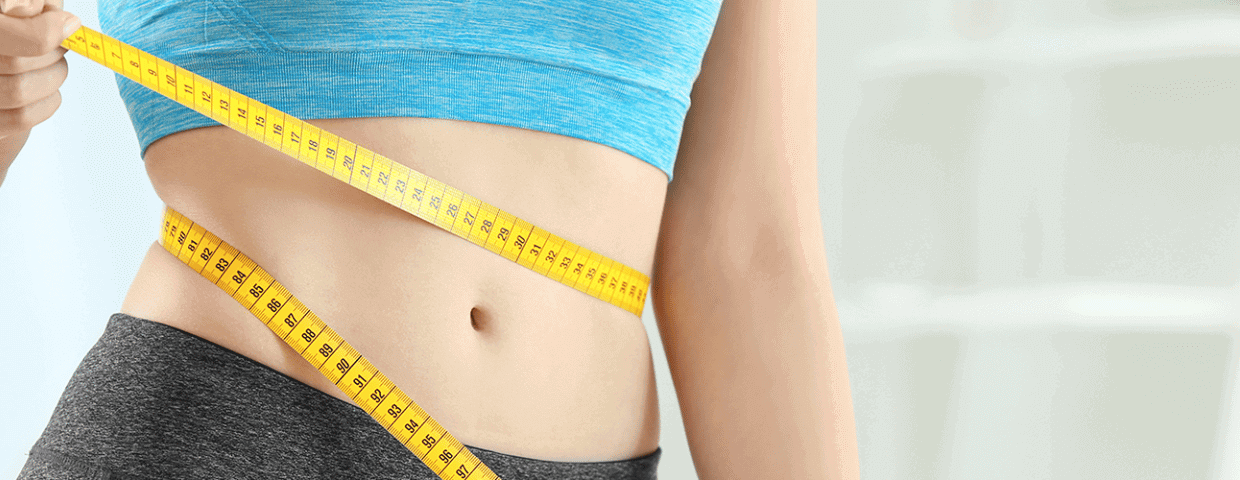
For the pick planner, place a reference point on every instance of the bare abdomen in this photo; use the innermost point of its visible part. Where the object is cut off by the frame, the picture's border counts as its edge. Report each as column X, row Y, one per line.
column 503, row 357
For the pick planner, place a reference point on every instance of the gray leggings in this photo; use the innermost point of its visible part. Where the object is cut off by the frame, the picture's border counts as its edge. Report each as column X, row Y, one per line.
column 150, row 401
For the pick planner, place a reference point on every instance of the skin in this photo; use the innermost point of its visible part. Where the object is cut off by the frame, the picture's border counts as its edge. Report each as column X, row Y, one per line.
column 32, row 69
column 509, row 360
column 744, row 301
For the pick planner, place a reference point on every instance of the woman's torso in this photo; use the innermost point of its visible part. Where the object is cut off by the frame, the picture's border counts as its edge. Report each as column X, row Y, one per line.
column 503, row 357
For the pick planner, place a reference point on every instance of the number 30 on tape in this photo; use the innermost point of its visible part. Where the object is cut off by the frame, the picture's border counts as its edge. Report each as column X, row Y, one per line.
column 440, row 204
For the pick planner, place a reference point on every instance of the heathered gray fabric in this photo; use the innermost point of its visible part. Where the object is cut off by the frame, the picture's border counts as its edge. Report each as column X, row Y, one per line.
column 150, row 401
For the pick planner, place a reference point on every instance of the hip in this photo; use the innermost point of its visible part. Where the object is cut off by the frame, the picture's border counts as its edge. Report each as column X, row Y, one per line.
column 147, row 402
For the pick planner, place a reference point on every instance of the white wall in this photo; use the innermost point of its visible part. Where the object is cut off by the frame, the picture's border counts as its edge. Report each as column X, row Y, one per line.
column 1031, row 215
column 1032, row 210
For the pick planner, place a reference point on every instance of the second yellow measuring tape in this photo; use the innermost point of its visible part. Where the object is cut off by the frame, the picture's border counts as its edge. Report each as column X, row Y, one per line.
column 436, row 202
column 238, row 275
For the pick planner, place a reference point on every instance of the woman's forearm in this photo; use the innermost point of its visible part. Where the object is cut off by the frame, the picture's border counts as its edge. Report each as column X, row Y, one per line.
column 758, row 362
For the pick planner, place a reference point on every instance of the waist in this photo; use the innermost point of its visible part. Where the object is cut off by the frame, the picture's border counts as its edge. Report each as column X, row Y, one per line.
column 505, row 358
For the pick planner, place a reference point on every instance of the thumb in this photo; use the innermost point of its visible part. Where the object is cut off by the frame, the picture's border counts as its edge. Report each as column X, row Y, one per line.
column 68, row 22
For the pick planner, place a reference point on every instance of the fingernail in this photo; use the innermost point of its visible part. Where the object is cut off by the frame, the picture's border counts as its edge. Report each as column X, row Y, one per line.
column 72, row 25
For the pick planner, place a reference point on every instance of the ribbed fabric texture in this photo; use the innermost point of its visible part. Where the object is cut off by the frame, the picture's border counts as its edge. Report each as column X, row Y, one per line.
column 616, row 73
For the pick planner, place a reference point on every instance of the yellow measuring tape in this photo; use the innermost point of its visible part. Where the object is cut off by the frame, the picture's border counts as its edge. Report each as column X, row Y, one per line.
column 251, row 286
column 436, row 202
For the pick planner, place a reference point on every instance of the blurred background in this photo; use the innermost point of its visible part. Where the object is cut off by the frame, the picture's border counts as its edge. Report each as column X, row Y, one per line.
column 1032, row 215
column 1031, row 212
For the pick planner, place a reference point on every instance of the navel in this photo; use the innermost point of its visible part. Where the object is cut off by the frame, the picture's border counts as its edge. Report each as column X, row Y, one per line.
column 477, row 319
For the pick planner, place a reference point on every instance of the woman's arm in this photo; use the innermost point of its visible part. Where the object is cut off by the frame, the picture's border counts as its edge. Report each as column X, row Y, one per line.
column 32, row 68
column 741, row 290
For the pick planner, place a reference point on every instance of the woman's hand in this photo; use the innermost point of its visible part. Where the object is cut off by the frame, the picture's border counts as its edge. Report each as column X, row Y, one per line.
column 32, row 68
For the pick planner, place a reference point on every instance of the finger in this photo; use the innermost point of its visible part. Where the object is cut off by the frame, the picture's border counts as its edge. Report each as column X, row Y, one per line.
column 21, row 8
column 15, row 65
column 21, row 119
column 35, row 36
column 30, row 87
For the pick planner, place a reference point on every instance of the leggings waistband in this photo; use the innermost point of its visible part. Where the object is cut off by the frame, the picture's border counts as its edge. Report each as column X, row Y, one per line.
column 150, row 401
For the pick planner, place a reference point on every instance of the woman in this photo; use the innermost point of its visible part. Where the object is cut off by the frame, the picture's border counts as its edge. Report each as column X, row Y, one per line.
column 568, row 118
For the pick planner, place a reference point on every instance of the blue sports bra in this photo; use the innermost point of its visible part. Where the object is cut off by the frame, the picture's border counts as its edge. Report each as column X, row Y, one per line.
column 614, row 72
